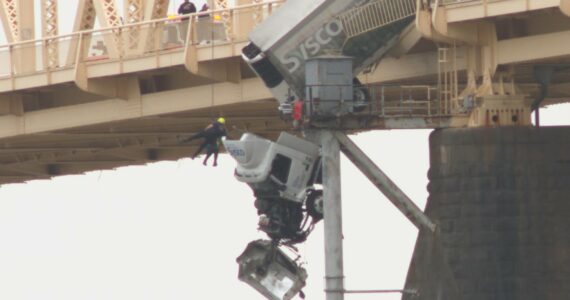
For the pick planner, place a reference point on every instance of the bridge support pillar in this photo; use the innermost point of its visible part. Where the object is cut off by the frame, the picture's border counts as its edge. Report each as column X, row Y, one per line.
column 500, row 198
column 332, row 212
column 334, row 265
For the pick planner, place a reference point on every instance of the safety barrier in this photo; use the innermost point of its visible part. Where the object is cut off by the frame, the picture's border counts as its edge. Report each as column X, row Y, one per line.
column 404, row 100
column 131, row 41
column 375, row 15
column 383, row 100
column 445, row 2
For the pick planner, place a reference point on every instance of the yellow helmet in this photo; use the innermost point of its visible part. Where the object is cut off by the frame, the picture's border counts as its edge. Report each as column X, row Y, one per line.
column 221, row 120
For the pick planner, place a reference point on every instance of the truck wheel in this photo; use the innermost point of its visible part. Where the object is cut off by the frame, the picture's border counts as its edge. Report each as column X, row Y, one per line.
column 315, row 204
column 361, row 95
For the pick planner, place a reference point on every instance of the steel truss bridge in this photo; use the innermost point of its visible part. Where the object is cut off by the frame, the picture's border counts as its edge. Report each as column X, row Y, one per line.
column 122, row 94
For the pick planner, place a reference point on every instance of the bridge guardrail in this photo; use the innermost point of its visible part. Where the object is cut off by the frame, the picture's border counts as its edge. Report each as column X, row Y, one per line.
column 446, row 2
column 135, row 40
column 385, row 100
column 456, row 1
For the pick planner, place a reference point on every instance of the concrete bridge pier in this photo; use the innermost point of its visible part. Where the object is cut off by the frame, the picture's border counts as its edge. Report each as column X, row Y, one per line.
column 501, row 198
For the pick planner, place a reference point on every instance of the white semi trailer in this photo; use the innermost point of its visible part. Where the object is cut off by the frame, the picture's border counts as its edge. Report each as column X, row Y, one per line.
column 300, row 30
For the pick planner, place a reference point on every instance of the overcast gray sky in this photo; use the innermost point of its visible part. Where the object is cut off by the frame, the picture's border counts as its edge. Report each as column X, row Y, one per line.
column 172, row 230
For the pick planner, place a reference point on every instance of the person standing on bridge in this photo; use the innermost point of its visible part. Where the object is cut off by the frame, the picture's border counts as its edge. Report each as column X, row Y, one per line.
column 185, row 8
column 204, row 9
column 211, row 134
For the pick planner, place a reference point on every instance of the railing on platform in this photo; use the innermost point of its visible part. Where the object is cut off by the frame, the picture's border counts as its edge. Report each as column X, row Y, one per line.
column 135, row 40
column 444, row 2
column 383, row 100
column 403, row 100
column 485, row 2
column 375, row 14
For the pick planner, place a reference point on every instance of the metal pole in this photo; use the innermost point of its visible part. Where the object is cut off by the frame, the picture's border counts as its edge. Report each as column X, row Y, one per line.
column 334, row 276
column 384, row 184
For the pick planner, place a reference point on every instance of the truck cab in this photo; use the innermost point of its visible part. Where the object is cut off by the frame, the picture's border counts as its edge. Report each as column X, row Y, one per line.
column 281, row 169
column 283, row 176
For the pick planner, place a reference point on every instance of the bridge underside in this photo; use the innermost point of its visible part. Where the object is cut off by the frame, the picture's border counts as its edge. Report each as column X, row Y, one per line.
column 121, row 143
column 101, row 112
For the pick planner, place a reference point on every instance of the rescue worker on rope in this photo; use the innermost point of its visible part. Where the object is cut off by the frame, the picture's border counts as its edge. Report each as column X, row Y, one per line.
column 211, row 134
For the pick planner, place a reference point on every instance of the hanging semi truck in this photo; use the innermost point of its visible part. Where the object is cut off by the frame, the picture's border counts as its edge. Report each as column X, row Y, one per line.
column 300, row 30
column 284, row 174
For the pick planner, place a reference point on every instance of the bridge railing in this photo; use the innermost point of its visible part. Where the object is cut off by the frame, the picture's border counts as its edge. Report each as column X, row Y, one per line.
column 403, row 100
column 460, row 1
column 432, row 3
column 29, row 57
column 131, row 41
column 380, row 100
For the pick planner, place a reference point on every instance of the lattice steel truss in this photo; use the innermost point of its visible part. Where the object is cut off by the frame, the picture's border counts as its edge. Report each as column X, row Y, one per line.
column 84, row 20
column 225, row 15
column 18, row 22
column 134, row 13
column 49, row 29
column 158, row 10
column 86, row 15
column 221, row 4
column 111, row 13
column 109, row 17
column 257, row 12
column 9, row 14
